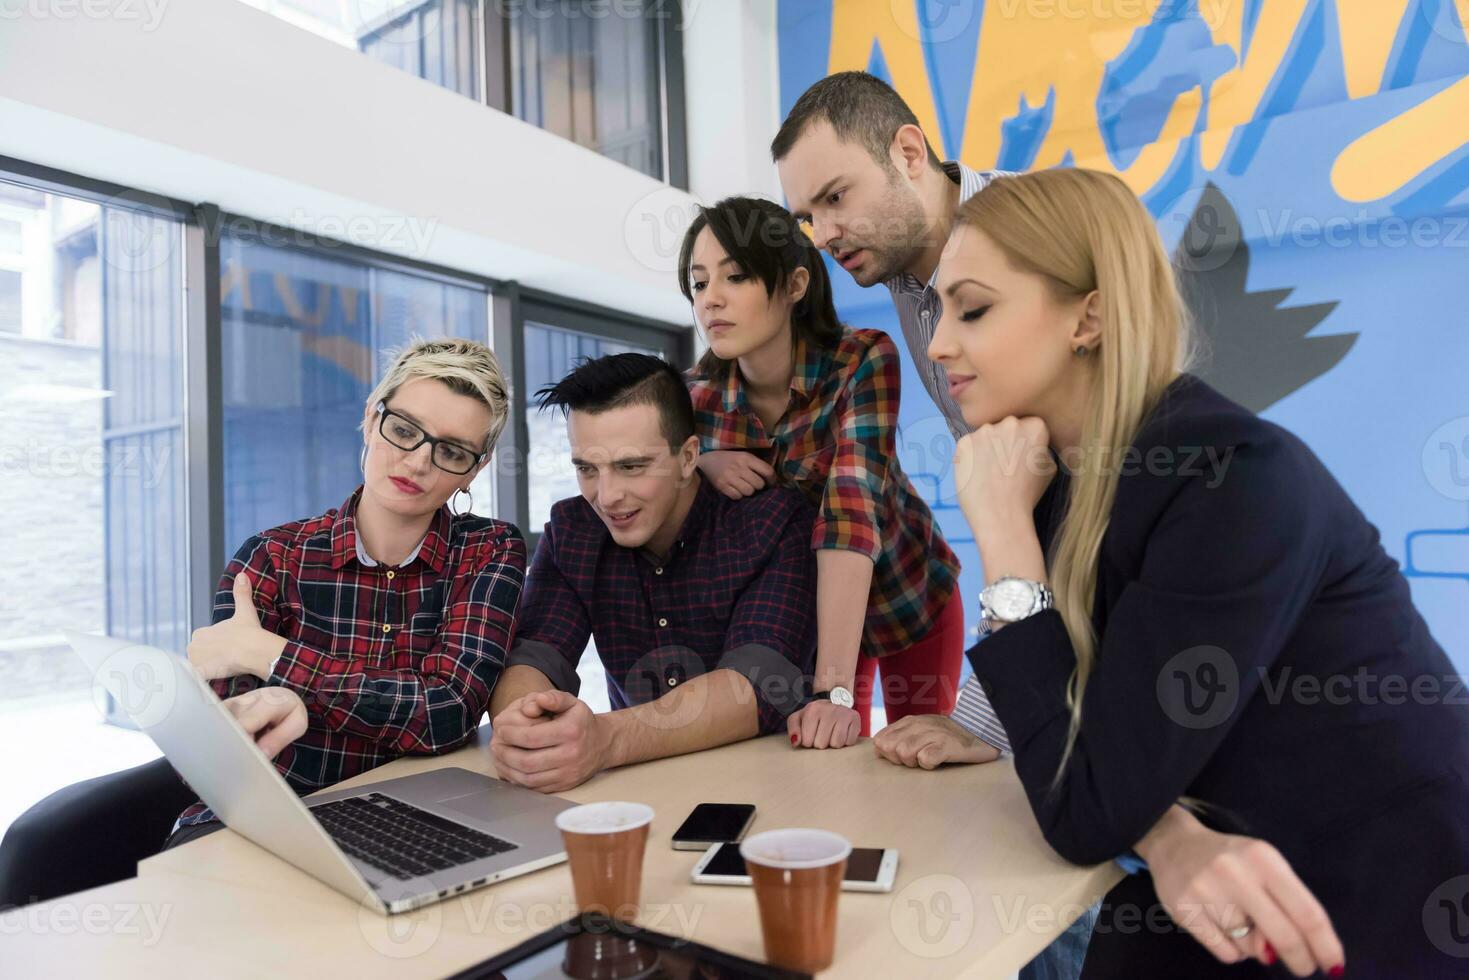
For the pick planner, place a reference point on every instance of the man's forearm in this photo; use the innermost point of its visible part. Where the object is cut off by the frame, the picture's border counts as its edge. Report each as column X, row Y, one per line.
column 713, row 709
column 516, row 682
column 843, row 582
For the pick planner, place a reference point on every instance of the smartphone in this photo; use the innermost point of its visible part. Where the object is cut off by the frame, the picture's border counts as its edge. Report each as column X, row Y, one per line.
column 713, row 823
column 869, row 869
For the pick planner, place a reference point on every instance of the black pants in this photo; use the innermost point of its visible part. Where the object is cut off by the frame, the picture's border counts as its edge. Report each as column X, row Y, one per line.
column 90, row 834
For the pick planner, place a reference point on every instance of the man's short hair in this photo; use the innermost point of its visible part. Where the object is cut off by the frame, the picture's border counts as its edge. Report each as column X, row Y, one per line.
column 619, row 380
column 861, row 108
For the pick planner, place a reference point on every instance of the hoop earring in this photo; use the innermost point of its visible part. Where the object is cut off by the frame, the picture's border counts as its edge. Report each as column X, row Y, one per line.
column 362, row 461
column 468, row 507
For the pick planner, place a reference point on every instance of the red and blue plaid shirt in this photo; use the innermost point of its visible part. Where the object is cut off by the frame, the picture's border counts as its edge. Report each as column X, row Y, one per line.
column 389, row 661
column 836, row 444
column 736, row 593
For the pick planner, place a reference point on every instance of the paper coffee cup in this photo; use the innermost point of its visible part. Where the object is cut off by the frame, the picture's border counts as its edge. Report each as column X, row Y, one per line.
column 604, row 846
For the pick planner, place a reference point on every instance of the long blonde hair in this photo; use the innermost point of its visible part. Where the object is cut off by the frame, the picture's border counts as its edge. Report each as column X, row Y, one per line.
column 1084, row 230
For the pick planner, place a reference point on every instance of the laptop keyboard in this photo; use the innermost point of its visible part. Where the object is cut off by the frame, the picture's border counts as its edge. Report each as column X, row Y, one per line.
column 403, row 840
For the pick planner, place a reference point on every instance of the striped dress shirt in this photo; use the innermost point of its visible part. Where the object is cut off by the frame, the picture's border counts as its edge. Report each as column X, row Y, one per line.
column 919, row 306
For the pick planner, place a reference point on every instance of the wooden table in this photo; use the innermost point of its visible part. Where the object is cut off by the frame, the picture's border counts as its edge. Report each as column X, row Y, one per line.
column 978, row 892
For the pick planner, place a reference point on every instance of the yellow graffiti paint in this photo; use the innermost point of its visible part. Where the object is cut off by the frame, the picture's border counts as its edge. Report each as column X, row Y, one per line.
column 1367, row 33
column 1026, row 50
column 856, row 24
column 1029, row 49
column 1235, row 96
column 1386, row 159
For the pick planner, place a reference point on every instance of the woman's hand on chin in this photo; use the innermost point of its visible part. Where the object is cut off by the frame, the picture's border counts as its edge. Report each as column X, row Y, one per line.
column 1001, row 470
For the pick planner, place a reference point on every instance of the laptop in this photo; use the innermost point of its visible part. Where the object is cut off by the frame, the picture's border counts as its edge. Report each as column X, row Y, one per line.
column 395, row 845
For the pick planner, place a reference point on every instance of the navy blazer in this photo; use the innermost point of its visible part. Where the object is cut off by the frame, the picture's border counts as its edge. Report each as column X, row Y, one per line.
column 1259, row 651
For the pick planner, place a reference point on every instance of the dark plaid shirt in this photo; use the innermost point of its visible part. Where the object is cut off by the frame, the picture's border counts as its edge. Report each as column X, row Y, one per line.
column 389, row 661
column 738, row 592
column 837, row 444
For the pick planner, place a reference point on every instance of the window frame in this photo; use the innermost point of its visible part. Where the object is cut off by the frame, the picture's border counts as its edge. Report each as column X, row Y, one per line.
column 510, row 303
column 498, row 87
column 675, row 341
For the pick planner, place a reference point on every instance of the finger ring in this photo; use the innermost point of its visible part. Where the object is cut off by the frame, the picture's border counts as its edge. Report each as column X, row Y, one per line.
column 1240, row 932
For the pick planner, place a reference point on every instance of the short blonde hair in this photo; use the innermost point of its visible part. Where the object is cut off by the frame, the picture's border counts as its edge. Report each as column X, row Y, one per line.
column 467, row 367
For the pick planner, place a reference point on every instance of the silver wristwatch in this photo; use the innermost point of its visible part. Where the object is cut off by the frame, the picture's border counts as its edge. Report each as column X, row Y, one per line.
column 839, row 696
column 1009, row 600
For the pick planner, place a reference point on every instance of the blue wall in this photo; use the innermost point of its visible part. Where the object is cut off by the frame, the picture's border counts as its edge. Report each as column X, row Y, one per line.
column 1337, row 133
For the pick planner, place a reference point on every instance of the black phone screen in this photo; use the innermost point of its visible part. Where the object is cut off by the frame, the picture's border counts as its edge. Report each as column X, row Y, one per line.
column 716, row 822
column 863, row 865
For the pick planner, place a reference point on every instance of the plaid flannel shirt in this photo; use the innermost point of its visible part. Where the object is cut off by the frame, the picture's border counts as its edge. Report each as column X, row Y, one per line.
column 389, row 661
column 735, row 593
column 837, row 445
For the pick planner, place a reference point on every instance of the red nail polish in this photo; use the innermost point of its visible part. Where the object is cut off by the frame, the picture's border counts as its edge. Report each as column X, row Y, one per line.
column 795, row 739
column 1269, row 955
column 1337, row 970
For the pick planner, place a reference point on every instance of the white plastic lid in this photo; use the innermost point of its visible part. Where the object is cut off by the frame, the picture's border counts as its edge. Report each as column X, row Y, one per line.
column 795, row 848
column 604, row 818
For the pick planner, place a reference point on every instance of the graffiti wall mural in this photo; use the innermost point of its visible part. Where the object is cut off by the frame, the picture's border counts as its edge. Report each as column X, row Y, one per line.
column 1306, row 160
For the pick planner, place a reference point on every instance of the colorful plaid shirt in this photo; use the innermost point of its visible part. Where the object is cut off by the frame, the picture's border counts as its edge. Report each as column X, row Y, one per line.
column 389, row 661
column 735, row 593
column 836, row 444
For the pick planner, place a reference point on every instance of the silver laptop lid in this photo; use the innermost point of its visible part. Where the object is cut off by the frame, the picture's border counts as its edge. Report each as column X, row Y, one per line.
column 165, row 698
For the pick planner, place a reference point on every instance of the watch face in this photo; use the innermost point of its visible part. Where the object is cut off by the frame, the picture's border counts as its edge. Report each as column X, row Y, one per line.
column 1012, row 599
column 841, row 697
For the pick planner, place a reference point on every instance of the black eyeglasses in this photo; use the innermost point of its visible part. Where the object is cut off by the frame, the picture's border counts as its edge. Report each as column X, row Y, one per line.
column 450, row 457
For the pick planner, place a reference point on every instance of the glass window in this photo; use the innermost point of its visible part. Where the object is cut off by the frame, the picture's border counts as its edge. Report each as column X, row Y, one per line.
column 589, row 71
column 91, row 437
column 306, row 335
column 550, row 354
column 436, row 40
column 9, row 301
column 10, row 237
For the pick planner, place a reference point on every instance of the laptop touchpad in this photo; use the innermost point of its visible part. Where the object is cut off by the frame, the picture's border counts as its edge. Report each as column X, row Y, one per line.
column 488, row 805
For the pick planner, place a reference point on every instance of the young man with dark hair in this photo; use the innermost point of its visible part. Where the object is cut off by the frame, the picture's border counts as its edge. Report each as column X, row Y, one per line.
column 700, row 605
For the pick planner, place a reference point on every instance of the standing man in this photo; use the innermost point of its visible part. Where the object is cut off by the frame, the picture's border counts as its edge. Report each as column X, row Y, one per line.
column 857, row 169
